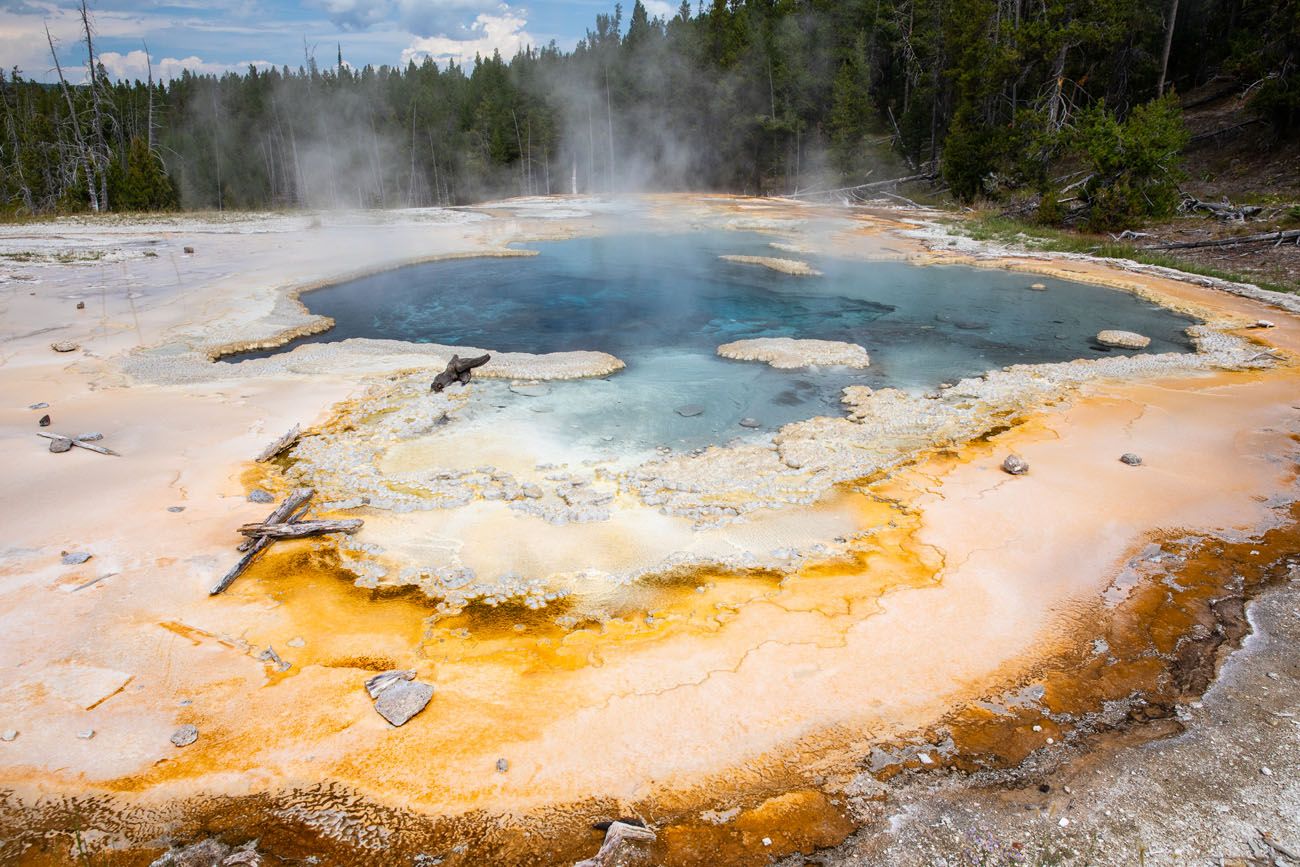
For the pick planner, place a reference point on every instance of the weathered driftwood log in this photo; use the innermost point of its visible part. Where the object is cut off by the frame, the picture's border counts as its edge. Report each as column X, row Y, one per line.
column 1278, row 237
column 618, row 836
column 79, row 444
column 278, row 447
column 293, row 508
column 290, row 507
column 301, row 529
column 458, row 370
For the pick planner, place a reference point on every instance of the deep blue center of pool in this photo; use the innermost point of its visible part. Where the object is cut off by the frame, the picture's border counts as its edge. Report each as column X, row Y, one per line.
column 663, row 303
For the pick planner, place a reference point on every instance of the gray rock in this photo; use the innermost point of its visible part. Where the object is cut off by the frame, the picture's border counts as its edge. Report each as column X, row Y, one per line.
column 44, row 421
column 41, row 405
column 8, row 735
column 61, row 445
column 270, row 656
column 75, row 558
column 1038, row 287
column 1131, row 459
column 185, row 735
column 89, row 437
column 65, row 346
column 503, row 765
column 403, row 700
column 750, row 422
column 260, row 496
column 381, row 682
column 690, row 410
column 176, row 508
column 86, row 734
column 1015, row 465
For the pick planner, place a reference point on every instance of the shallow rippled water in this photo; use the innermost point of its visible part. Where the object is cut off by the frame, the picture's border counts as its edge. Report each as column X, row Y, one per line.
column 663, row 303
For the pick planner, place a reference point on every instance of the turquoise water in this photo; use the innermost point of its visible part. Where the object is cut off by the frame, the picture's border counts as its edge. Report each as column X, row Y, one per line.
column 663, row 303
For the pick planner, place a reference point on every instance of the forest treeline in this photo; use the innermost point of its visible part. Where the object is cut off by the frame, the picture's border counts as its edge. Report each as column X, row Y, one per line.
column 1072, row 101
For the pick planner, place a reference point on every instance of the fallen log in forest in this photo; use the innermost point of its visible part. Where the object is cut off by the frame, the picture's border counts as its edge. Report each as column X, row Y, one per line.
column 1262, row 237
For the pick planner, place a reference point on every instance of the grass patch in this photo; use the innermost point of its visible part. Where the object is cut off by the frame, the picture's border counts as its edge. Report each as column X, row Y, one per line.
column 1012, row 232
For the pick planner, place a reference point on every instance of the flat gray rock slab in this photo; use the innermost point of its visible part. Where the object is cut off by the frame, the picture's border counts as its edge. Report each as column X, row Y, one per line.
column 260, row 496
column 185, row 735
column 690, row 410
column 403, row 700
column 75, row 558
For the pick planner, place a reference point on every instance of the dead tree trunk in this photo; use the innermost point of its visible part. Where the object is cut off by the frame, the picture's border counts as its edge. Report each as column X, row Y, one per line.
column 1169, row 40
column 76, row 127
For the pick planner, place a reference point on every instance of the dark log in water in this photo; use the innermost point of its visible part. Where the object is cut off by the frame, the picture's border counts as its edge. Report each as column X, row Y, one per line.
column 458, row 370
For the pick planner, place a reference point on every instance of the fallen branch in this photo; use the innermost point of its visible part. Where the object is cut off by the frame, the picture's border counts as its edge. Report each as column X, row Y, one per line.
column 1279, row 237
column 297, row 499
column 619, row 833
column 293, row 508
column 301, row 529
column 278, row 447
column 79, row 444
column 871, row 186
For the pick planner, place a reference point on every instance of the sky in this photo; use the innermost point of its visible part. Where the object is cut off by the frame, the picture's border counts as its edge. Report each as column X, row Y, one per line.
column 213, row 36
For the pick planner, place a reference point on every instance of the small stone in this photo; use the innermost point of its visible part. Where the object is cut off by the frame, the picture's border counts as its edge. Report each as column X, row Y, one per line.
column 260, row 496
column 81, row 305
column 45, row 421
column 75, row 558
column 925, row 758
column 690, row 410
column 39, row 406
column 1263, row 323
column 750, row 422
column 65, row 346
column 502, row 766
column 1038, row 287
column 402, row 700
column 60, row 445
column 1123, row 340
column 86, row 734
column 185, row 735
column 767, row 841
column 1131, row 459
column 189, row 251
column 1015, row 465
column 176, row 508
column 1038, row 728
column 8, row 735
column 1266, row 772
column 1064, row 823
column 89, row 437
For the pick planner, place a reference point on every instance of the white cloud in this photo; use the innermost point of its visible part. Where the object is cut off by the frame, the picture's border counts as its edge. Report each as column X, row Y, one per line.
column 661, row 9
column 503, row 32
column 135, row 65
column 422, row 18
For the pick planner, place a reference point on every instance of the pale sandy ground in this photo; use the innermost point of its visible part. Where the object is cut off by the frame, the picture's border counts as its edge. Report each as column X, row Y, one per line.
column 763, row 687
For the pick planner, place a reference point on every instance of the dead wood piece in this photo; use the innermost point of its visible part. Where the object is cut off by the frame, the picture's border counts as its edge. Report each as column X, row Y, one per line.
column 298, row 498
column 619, row 834
column 295, row 501
column 458, row 370
column 278, row 447
column 1262, row 237
column 91, row 447
column 301, row 529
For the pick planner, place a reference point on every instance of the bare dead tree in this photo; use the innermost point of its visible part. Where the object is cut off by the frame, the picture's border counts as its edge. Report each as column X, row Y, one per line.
column 1170, row 19
column 102, row 153
column 76, row 127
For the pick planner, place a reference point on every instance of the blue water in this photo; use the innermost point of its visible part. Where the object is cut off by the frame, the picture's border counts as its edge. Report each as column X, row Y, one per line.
column 663, row 303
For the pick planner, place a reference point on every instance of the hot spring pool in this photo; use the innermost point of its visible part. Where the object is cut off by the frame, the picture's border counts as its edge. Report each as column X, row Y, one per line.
column 663, row 303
